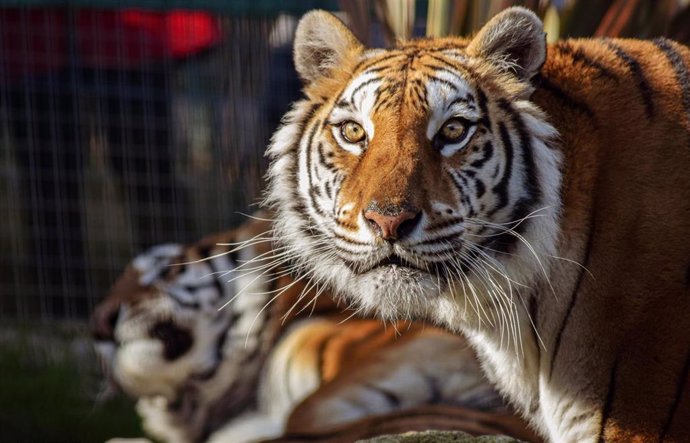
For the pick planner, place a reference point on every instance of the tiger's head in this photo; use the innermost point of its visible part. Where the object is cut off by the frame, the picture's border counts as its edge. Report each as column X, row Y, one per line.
column 160, row 323
column 185, row 330
column 419, row 181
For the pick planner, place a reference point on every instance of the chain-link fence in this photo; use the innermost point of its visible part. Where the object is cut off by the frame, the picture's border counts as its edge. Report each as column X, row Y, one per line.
column 124, row 128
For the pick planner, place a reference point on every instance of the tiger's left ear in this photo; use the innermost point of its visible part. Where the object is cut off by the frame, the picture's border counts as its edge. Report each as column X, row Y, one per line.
column 322, row 42
column 514, row 40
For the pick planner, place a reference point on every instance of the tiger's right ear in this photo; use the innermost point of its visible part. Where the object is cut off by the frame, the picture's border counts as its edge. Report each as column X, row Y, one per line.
column 322, row 41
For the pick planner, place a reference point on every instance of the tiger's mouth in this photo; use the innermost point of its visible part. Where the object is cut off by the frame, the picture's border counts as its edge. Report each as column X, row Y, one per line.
column 395, row 261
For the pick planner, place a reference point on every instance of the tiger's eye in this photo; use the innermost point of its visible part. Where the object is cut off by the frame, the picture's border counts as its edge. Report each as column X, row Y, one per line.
column 352, row 132
column 453, row 130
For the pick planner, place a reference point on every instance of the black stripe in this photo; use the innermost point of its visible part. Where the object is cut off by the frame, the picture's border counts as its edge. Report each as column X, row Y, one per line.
column 378, row 69
column 322, row 158
column 368, row 63
column 546, row 85
column 682, row 382
column 573, row 298
column 444, row 224
column 388, row 89
column 533, row 189
column 638, row 74
column 216, row 281
column 387, row 102
column 579, row 56
column 322, row 350
column 443, row 81
column 454, row 73
column 446, row 239
column 680, row 69
column 504, row 242
column 347, row 240
column 610, row 395
column 419, row 88
column 329, row 193
column 436, row 68
column 479, row 187
column 361, row 86
column 297, row 203
column 469, row 101
column 444, row 61
column 344, row 104
column 459, row 186
column 485, row 119
column 463, row 100
column 501, row 188
column 347, row 255
column 314, row 194
column 308, row 152
column 462, row 177
column 488, row 152
column 405, row 78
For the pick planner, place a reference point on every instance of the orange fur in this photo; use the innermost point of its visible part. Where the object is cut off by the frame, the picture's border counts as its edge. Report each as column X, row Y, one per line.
column 616, row 342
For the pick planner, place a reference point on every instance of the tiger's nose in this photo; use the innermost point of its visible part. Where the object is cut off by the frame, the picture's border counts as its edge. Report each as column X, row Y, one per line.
column 393, row 223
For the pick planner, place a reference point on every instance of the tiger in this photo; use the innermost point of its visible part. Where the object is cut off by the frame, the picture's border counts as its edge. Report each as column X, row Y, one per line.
column 218, row 346
column 534, row 198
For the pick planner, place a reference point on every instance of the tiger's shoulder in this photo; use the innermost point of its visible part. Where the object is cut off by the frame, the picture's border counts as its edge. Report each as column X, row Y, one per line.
column 606, row 82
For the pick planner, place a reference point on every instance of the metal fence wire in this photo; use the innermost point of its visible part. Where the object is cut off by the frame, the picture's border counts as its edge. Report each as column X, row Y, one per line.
column 121, row 129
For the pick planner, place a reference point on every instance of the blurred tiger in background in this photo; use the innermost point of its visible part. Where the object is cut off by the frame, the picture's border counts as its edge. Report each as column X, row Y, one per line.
column 219, row 344
column 535, row 199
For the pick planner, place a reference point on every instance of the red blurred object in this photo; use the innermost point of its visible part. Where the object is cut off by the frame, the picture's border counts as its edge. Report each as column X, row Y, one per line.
column 36, row 40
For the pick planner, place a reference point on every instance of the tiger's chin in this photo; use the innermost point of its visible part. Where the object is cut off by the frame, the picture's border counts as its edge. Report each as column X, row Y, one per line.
column 393, row 289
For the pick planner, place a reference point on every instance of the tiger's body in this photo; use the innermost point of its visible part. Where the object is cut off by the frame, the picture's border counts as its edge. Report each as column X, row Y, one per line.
column 535, row 199
column 203, row 371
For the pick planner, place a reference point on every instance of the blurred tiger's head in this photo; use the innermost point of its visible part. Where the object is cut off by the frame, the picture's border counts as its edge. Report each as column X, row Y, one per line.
column 186, row 330
column 161, row 329
column 415, row 178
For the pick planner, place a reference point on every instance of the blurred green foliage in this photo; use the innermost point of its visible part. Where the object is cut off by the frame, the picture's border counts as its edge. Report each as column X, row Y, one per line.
column 50, row 401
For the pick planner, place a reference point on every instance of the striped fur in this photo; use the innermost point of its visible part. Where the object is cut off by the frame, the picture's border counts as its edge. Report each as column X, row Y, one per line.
column 234, row 374
column 553, row 234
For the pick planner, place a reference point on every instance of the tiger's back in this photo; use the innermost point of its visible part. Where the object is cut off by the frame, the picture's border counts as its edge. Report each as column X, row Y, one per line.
column 623, row 111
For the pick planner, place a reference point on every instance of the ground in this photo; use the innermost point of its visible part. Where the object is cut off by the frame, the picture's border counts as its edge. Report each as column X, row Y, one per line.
column 49, row 389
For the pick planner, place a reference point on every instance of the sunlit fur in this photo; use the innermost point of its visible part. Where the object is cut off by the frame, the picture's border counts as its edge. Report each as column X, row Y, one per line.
column 248, row 358
column 554, row 235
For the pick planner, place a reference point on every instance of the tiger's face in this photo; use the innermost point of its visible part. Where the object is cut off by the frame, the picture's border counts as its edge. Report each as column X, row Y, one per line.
column 167, row 330
column 184, row 318
column 419, row 181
